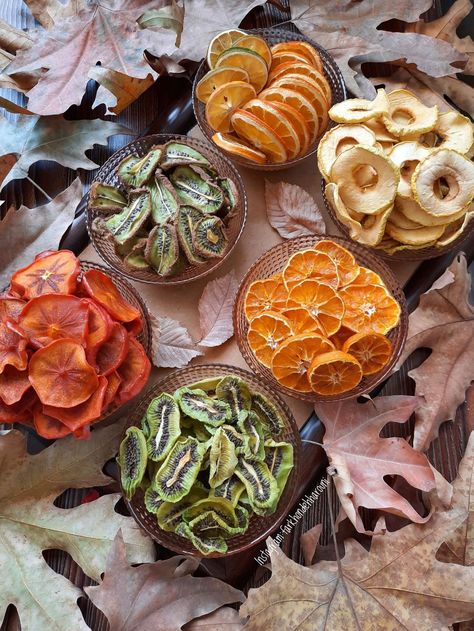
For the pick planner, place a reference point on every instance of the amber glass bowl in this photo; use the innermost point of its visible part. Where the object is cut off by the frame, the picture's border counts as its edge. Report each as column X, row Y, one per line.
column 275, row 36
column 108, row 174
column 273, row 262
column 259, row 527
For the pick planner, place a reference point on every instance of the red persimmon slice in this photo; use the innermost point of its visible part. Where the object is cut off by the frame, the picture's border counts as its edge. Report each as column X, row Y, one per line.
column 10, row 308
column 114, row 381
column 47, row 426
column 101, row 287
column 12, row 347
column 16, row 413
column 61, row 375
column 100, row 325
column 112, row 352
column 54, row 316
column 82, row 414
column 13, row 384
column 52, row 274
column 134, row 372
column 83, row 433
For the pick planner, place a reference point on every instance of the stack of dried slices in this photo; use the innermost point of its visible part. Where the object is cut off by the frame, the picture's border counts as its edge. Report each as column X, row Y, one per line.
column 399, row 174
column 68, row 347
column 171, row 211
column 266, row 104
column 321, row 324
column 208, row 457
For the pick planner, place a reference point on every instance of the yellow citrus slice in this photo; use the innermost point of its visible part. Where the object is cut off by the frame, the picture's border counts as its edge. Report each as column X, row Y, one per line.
column 262, row 137
column 238, row 147
column 249, row 60
column 301, row 48
column 310, row 264
column 322, row 302
column 372, row 351
column 222, row 42
column 298, row 123
column 278, row 122
column 257, row 44
column 334, row 373
column 285, row 56
column 304, row 70
column 311, row 91
column 299, row 102
column 216, row 78
column 347, row 267
column 269, row 294
column 222, row 103
column 266, row 332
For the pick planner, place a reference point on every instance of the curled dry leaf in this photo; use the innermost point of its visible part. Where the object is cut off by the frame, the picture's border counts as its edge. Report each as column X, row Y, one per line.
column 161, row 595
column 173, row 347
column 170, row 16
column 400, row 584
column 215, row 310
column 224, row 619
column 444, row 323
column 117, row 90
column 292, row 211
column 362, row 459
column 309, row 541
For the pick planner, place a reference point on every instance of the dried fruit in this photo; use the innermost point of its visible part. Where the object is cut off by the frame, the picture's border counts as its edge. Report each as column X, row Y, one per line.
column 309, row 264
column 339, row 139
column 52, row 274
column 265, row 295
column 99, row 326
column 334, row 372
column 322, row 302
column 407, row 156
column 347, row 268
column 456, row 132
column 260, row 135
column 278, row 122
column 222, row 459
column 230, row 490
column 163, row 421
column 12, row 348
column 124, row 169
column 13, row 384
column 102, row 289
column 372, row 351
column 249, row 60
column 265, row 334
column 177, row 474
column 239, row 147
column 222, row 103
column 125, row 224
column 360, row 110
column 259, row 483
column 205, row 545
column 105, row 197
column 369, row 308
column 301, row 48
column 144, row 169
column 133, row 371
column 132, row 460
column 407, row 117
column 162, row 250
column 164, row 200
column 113, row 351
column 188, row 217
column 177, row 153
column 221, row 42
column 210, row 237
column 216, row 78
column 235, row 392
column 47, row 426
column 279, row 460
column 197, row 404
column 81, row 415
column 297, row 101
column 251, row 427
column 194, row 187
column 271, row 419
column 152, row 500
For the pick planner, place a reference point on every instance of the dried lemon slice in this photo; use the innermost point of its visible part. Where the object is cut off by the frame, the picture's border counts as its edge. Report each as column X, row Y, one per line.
column 418, row 236
column 249, row 60
column 222, row 42
column 407, row 117
column 456, row 132
column 365, row 194
column 257, row 44
column 222, row 103
column 443, row 167
column 407, row 156
column 359, row 110
column 337, row 140
column 413, row 211
column 216, row 78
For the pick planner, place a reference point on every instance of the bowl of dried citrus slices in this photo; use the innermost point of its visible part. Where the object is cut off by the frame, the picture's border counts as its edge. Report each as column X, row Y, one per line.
column 398, row 175
column 263, row 96
column 320, row 318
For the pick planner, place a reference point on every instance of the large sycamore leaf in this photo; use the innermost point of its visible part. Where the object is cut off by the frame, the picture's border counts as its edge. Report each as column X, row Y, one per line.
column 399, row 585
column 362, row 459
column 33, row 138
column 27, row 231
column 351, row 32
column 215, row 310
column 30, row 523
column 156, row 596
column 292, row 211
column 444, row 323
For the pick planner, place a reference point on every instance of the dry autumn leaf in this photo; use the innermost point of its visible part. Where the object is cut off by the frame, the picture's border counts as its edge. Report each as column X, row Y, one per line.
column 173, row 347
column 444, row 323
column 292, row 211
column 223, row 619
column 162, row 595
column 215, row 310
column 31, row 523
column 399, row 585
column 363, row 459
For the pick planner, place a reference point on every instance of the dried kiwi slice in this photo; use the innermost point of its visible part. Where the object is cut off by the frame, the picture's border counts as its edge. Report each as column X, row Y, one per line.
column 205, row 384
column 105, row 197
column 132, row 460
column 194, row 187
column 197, row 404
column 205, row 545
column 210, row 238
column 153, row 500
column 125, row 224
column 240, row 440
column 230, row 490
column 271, row 419
column 177, row 474
column 170, row 514
column 235, row 391
column 188, row 216
column 253, row 428
column 145, row 168
column 164, row 201
column 279, row 460
column 210, row 524
column 163, row 420
column 222, row 459
column 259, row 483
column 221, row 507
column 231, row 194
column 177, row 153
column 162, row 249
column 124, row 169
column 136, row 261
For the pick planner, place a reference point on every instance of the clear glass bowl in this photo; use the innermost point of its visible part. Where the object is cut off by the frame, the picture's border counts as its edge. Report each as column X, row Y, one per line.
column 272, row 262
column 141, row 146
column 275, row 36
column 259, row 527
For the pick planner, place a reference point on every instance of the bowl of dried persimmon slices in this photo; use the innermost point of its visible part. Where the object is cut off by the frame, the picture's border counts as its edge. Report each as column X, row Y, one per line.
column 74, row 345
column 320, row 318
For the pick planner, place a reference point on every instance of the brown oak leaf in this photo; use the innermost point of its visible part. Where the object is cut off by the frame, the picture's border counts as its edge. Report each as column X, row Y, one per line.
column 292, row 211
column 444, row 323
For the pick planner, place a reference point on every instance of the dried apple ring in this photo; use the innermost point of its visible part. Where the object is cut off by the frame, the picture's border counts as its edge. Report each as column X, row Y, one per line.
column 454, row 229
column 407, row 116
column 417, row 236
column 407, row 156
column 456, row 132
column 339, row 139
column 360, row 110
column 413, row 211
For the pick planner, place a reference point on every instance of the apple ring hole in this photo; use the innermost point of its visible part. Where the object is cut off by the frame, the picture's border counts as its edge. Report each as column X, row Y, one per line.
column 403, row 116
column 345, row 143
column 446, row 187
column 365, row 176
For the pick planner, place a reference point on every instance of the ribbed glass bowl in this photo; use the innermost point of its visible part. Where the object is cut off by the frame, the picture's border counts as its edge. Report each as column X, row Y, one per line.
column 108, row 174
column 275, row 36
column 272, row 262
column 259, row 527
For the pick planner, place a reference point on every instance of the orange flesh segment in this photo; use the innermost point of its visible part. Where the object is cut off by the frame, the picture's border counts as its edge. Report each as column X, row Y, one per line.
column 372, row 351
column 265, row 333
column 369, row 308
column 322, row 302
column 334, row 373
column 308, row 264
column 294, row 356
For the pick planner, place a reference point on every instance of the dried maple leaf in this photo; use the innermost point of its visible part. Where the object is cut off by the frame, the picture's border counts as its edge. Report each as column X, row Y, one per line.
column 292, row 211
column 400, row 584
column 173, row 347
column 223, row 619
column 362, row 458
column 444, row 323
column 215, row 310
column 31, row 523
column 161, row 595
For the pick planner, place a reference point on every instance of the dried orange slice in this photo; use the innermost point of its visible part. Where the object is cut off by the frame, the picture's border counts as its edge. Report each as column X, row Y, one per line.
column 216, row 78
column 269, row 294
column 249, row 60
column 260, row 135
column 310, row 90
column 369, row 308
column 51, row 274
column 322, row 302
column 302, row 48
column 285, row 56
column 301, row 321
column 238, row 147
column 299, row 102
column 297, row 121
column 220, row 43
column 347, row 267
column 334, row 373
column 367, row 277
column 305, row 71
column 102, row 289
column 265, row 334
column 258, row 45
column 372, row 351
column 278, row 122
column 310, row 264
column 224, row 101
column 293, row 357
column 340, row 337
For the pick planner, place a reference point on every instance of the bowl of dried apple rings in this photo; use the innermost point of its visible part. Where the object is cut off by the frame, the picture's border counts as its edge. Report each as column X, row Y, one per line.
column 166, row 209
column 209, row 462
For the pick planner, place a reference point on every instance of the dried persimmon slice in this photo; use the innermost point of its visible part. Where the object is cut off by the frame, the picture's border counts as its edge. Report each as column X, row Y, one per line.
column 134, row 372
column 99, row 326
column 53, row 316
column 12, row 347
column 47, row 426
column 10, row 307
column 51, row 274
column 101, row 288
column 113, row 384
column 112, row 352
column 13, row 384
column 61, row 375
column 18, row 412
column 83, row 414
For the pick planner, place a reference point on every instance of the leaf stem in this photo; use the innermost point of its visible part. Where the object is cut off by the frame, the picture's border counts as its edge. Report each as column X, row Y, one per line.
column 313, row 442
column 39, row 188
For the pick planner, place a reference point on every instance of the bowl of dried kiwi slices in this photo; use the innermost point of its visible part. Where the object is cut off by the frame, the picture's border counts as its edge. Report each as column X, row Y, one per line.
column 209, row 462
column 166, row 209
